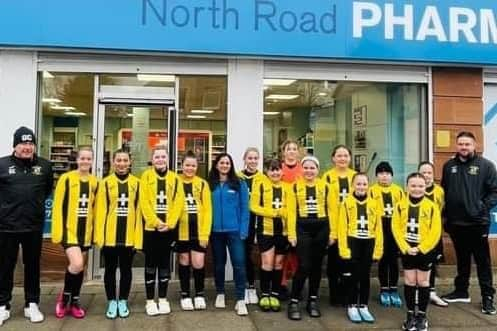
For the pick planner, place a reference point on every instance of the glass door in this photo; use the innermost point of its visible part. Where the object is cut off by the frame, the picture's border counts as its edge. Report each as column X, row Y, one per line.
column 136, row 119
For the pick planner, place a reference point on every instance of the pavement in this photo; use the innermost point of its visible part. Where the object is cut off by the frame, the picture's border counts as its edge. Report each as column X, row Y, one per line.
column 455, row 317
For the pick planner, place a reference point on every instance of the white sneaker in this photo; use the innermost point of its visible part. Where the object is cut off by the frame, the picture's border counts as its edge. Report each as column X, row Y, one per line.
column 200, row 303
column 151, row 308
column 220, row 302
column 4, row 314
column 251, row 296
column 33, row 313
column 436, row 300
column 186, row 304
column 241, row 308
column 164, row 307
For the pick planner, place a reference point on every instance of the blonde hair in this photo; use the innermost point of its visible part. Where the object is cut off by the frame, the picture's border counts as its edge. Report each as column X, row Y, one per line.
column 288, row 142
column 250, row 149
column 84, row 149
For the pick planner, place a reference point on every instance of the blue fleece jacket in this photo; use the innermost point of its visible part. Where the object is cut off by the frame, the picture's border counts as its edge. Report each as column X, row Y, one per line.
column 230, row 209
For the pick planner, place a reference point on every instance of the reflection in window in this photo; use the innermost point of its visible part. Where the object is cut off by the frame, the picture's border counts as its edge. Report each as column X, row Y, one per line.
column 381, row 118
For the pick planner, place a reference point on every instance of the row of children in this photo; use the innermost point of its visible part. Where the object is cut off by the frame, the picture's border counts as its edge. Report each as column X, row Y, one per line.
column 291, row 209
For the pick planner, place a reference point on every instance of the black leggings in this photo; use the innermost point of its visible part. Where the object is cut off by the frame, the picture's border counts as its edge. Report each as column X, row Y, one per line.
column 157, row 249
column 115, row 257
column 358, row 270
column 388, row 266
column 312, row 240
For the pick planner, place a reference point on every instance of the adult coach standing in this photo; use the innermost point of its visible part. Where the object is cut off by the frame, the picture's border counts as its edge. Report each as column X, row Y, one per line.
column 25, row 182
column 470, row 185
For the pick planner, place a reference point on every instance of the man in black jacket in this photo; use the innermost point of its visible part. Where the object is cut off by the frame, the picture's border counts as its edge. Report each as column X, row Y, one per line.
column 26, row 181
column 470, row 185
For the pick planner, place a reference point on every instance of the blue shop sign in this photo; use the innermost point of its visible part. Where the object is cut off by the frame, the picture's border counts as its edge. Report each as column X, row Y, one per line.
column 449, row 31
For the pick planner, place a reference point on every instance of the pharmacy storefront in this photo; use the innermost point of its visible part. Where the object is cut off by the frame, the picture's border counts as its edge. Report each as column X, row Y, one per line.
column 221, row 75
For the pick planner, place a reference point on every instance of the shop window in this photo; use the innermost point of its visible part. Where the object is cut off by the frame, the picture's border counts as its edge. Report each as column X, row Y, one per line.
column 66, row 119
column 202, row 125
column 382, row 119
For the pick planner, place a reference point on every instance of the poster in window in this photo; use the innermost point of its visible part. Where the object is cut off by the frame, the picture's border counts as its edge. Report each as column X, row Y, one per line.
column 360, row 161
column 359, row 139
column 199, row 149
column 360, row 116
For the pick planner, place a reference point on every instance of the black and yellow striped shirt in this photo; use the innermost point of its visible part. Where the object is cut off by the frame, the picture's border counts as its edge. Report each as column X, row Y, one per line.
column 119, row 221
column 73, row 209
column 416, row 225
column 196, row 218
column 269, row 201
column 161, row 198
column 361, row 220
column 310, row 203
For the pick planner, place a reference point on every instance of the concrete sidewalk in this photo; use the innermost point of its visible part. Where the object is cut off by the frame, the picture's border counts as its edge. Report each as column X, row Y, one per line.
column 456, row 317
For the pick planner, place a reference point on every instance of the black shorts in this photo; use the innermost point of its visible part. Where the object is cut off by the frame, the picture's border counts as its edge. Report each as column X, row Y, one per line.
column 279, row 242
column 156, row 241
column 185, row 246
column 420, row 261
column 83, row 248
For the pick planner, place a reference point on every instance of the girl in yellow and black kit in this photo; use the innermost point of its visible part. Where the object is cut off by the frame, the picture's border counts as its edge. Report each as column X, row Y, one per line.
column 251, row 175
column 194, row 230
column 360, row 241
column 435, row 193
column 269, row 201
column 161, row 202
column 340, row 180
column 118, row 230
column 416, row 227
column 310, row 231
column 72, row 227
column 388, row 196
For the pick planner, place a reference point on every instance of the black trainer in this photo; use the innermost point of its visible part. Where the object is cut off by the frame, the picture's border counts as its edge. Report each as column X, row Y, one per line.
column 410, row 322
column 313, row 308
column 457, row 297
column 487, row 305
column 294, row 311
column 421, row 322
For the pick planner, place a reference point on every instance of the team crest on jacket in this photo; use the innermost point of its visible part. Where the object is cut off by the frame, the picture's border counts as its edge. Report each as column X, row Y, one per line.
column 453, row 169
column 12, row 170
column 474, row 170
column 36, row 170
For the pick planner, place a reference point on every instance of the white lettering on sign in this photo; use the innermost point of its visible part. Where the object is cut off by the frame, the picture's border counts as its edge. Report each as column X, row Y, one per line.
column 455, row 24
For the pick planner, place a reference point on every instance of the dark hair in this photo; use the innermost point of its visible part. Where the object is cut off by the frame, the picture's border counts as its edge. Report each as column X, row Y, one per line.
column 337, row 147
column 415, row 175
column 466, row 134
column 360, row 173
column 271, row 164
column 213, row 177
column 189, row 155
column 120, row 151
column 426, row 163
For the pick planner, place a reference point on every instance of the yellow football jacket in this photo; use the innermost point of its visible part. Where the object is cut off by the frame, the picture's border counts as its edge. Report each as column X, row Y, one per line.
column 338, row 192
column 155, row 203
column 361, row 220
column 437, row 195
column 416, row 225
column 299, row 205
column 73, row 209
column 197, row 204
column 119, row 221
column 270, row 209
column 394, row 191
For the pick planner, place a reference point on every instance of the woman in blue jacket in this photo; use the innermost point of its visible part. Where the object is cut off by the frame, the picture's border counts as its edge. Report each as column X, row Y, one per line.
column 230, row 208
